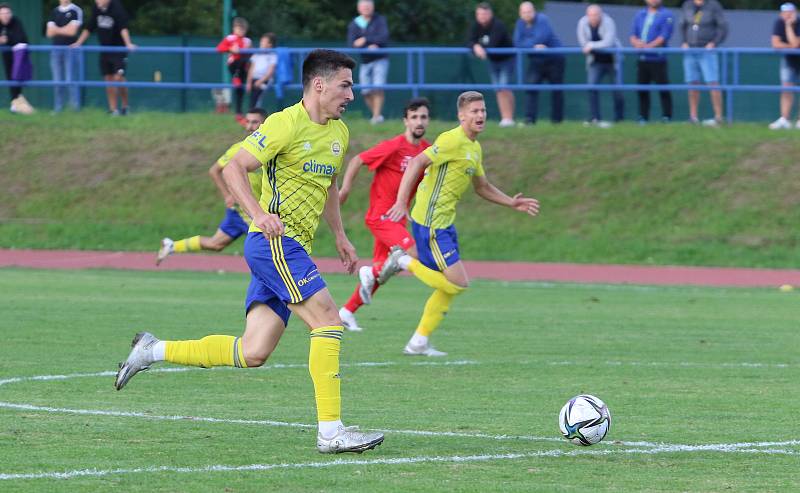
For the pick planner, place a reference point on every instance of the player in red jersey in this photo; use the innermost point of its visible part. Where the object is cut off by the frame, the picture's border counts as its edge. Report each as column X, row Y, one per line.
column 238, row 62
column 388, row 160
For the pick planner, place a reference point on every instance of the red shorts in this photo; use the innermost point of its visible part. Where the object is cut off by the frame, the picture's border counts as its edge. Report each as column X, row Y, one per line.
column 388, row 234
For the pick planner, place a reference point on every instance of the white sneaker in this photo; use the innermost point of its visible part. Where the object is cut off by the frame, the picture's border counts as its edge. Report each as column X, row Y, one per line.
column 375, row 120
column 167, row 247
column 392, row 265
column 140, row 358
column 426, row 350
column 797, row 124
column 506, row 123
column 711, row 122
column 349, row 320
column 780, row 124
column 349, row 439
column 367, row 280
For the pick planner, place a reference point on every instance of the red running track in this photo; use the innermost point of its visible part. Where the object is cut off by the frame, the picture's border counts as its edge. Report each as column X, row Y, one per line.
column 504, row 271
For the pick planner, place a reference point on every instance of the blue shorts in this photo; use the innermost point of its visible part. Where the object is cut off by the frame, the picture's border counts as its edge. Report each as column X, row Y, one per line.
column 373, row 73
column 701, row 67
column 437, row 248
column 281, row 273
column 233, row 225
column 501, row 72
column 790, row 72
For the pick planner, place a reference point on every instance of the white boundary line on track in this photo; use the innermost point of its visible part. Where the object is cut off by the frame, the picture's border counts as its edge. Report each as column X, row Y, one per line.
column 392, row 461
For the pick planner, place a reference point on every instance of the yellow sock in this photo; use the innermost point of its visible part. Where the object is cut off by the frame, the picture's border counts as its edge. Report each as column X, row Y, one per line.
column 435, row 310
column 432, row 278
column 207, row 352
column 323, row 364
column 188, row 245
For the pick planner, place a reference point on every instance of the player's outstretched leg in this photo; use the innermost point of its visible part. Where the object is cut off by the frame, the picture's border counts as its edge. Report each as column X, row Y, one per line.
column 139, row 359
column 167, row 249
column 435, row 310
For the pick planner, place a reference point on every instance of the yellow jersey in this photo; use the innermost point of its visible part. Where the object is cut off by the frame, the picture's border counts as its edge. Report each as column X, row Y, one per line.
column 300, row 158
column 455, row 160
column 253, row 176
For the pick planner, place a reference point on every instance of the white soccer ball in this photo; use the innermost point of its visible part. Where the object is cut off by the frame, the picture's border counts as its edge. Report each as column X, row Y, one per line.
column 584, row 420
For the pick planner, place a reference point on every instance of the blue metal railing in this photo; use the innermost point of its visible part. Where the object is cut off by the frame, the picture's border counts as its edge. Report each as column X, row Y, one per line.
column 415, row 80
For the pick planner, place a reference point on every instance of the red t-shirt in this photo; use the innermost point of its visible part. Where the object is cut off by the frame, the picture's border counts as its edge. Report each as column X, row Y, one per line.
column 233, row 40
column 389, row 160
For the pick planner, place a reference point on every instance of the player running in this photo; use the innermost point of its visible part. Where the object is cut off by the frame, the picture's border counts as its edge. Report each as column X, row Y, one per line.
column 388, row 160
column 454, row 160
column 302, row 148
column 236, row 221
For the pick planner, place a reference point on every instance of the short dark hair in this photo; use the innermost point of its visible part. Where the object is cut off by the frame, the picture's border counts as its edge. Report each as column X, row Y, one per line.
column 260, row 111
column 273, row 40
column 324, row 63
column 484, row 6
column 241, row 21
column 5, row 6
column 414, row 104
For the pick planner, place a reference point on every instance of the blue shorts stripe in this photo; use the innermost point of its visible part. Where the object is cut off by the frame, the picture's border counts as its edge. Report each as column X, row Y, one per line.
column 437, row 248
column 283, row 269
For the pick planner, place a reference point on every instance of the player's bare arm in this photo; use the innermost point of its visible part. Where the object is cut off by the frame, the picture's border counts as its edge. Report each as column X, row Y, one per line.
column 415, row 167
column 333, row 217
column 353, row 167
column 215, row 172
column 488, row 191
column 235, row 174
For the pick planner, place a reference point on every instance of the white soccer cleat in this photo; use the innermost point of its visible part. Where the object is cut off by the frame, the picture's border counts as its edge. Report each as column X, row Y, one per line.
column 367, row 280
column 349, row 320
column 167, row 247
column 426, row 350
column 139, row 359
column 349, row 439
column 780, row 124
column 392, row 265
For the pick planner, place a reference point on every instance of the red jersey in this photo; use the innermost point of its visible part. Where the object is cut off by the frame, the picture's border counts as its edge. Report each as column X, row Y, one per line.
column 231, row 40
column 389, row 160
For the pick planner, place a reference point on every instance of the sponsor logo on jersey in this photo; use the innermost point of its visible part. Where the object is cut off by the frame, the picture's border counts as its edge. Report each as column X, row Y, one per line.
column 302, row 282
column 404, row 162
column 336, row 148
column 258, row 139
column 319, row 168
column 306, row 146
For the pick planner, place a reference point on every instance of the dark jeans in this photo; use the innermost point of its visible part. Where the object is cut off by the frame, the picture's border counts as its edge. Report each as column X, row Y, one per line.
column 596, row 72
column 238, row 70
column 8, row 62
column 550, row 69
column 653, row 72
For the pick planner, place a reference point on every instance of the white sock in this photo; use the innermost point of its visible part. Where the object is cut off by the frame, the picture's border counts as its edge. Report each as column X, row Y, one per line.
column 418, row 340
column 328, row 429
column 404, row 261
column 158, row 350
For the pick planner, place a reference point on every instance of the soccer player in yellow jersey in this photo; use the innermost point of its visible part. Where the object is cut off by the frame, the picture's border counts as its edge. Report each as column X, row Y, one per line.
column 302, row 148
column 236, row 221
column 453, row 162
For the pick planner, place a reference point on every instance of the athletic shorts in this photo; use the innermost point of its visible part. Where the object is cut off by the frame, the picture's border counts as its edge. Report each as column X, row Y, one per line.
column 233, row 225
column 281, row 273
column 113, row 63
column 373, row 74
column 437, row 248
column 388, row 234
column 701, row 67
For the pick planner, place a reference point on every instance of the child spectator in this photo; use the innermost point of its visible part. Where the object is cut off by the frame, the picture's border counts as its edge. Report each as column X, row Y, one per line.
column 237, row 61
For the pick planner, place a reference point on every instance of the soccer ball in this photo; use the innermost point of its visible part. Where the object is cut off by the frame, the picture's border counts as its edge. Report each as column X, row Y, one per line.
column 584, row 420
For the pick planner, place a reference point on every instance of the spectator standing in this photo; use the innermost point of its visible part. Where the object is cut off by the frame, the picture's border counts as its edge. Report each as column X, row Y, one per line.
column 786, row 36
column 369, row 30
column 64, row 28
column 110, row 21
column 238, row 63
column 533, row 30
column 490, row 32
column 652, row 28
column 597, row 31
column 703, row 25
column 262, row 70
column 13, row 34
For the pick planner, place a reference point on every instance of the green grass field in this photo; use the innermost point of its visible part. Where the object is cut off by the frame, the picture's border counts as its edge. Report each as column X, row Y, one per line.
column 661, row 194
column 678, row 367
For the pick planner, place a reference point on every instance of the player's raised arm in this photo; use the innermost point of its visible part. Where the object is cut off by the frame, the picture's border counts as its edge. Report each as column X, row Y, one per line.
column 489, row 192
column 333, row 217
column 400, row 208
column 235, row 174
column 353, row 167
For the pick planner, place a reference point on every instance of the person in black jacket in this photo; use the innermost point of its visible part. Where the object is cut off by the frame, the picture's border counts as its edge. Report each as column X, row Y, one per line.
column 370, row 30
column 489, row 32
column 11, row 33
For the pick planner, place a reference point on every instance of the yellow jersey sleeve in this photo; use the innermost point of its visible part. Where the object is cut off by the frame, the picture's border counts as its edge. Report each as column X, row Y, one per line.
column 443, row 149
column 272, row 137
column 479, row 162
column 226, row 158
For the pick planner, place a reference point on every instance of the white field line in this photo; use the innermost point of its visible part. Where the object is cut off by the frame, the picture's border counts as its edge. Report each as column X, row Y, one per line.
column 277, row 366
column 393, row 461
column 677, row 364
column 451, row 434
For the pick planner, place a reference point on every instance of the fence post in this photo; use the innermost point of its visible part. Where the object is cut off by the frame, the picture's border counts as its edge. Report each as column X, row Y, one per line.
column 410, row 73
column 421, row 67
column 735, row 81
column 187, row 76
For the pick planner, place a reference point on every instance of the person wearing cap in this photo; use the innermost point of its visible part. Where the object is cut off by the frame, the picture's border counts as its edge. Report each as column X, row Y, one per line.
column 703, row 25
column 786, row 36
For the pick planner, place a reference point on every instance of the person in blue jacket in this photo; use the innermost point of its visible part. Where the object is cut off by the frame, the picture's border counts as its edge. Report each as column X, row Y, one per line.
column 652, row 28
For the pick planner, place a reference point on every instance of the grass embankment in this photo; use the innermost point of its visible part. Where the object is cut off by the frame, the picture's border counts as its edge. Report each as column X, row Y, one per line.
column 662, row 194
